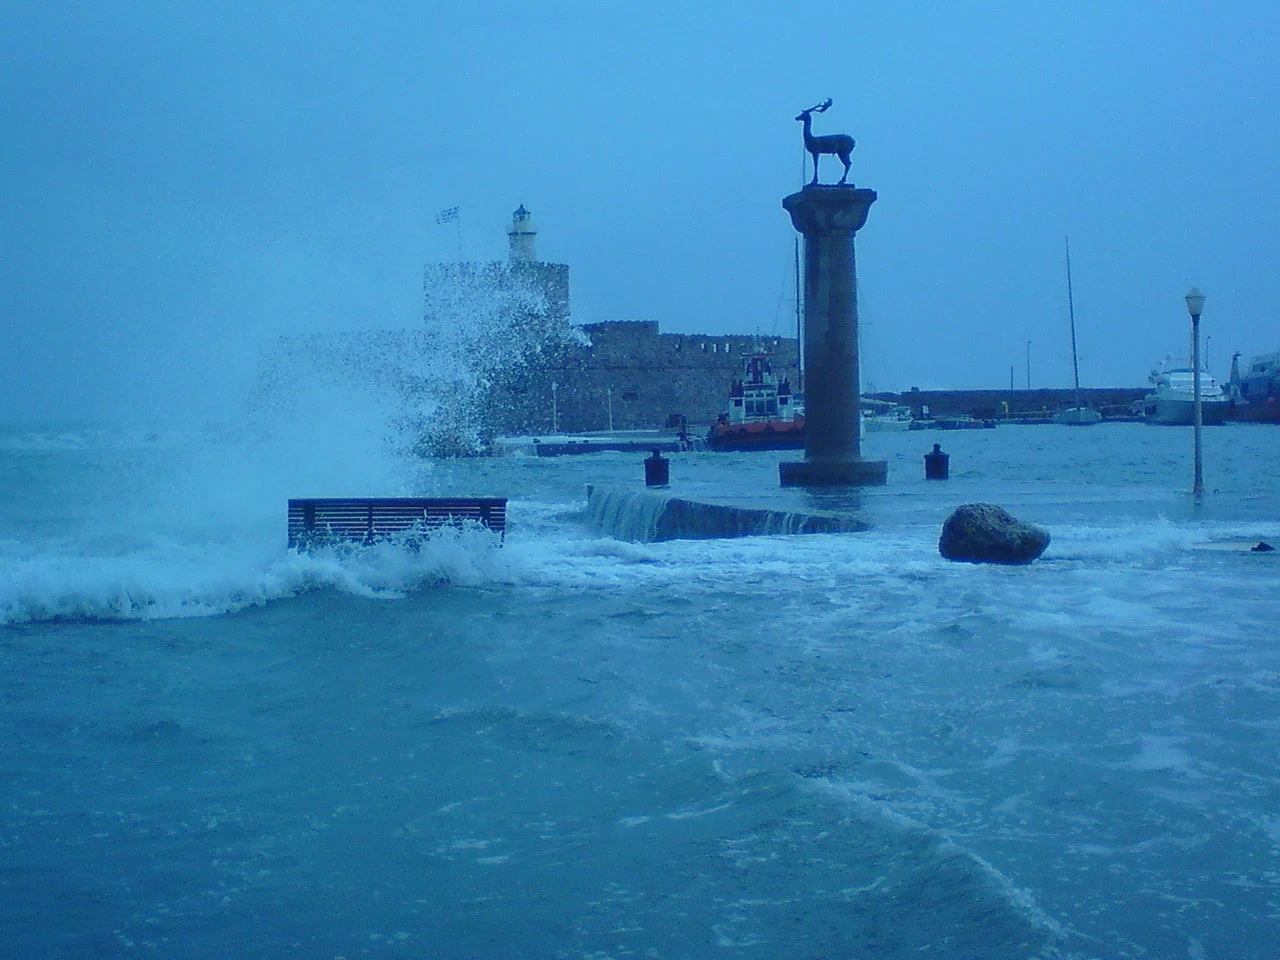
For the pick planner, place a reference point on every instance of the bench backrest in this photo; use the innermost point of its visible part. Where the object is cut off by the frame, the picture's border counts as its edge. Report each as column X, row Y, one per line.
column 367, row 519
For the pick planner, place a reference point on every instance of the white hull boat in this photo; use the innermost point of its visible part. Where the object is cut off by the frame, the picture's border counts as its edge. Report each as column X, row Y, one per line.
column 1173, row 400
column 1078, row 417
column 885, row 421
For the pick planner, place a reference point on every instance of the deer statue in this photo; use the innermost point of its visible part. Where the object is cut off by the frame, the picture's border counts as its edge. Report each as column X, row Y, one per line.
column 839, row 144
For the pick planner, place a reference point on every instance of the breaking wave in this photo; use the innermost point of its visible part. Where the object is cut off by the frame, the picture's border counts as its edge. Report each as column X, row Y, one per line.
column 164, row 578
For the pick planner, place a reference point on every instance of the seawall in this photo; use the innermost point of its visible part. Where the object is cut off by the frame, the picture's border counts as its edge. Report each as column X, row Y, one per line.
column 647, row 515
column 1111, row 402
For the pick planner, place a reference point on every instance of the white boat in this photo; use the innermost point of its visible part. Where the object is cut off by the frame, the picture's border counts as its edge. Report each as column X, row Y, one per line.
column 891, row 418
column 1079, row 415
column 1173, row 399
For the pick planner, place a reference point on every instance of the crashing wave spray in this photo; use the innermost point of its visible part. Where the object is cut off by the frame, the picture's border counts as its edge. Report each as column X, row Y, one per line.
column 490, row 325
column 447, row 388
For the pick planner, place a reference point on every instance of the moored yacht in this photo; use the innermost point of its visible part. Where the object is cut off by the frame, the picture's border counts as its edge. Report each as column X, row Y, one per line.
column 878, row 417
column 1173, row 400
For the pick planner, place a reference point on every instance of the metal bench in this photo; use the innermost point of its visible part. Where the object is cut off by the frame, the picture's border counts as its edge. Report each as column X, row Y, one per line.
column 363, row 520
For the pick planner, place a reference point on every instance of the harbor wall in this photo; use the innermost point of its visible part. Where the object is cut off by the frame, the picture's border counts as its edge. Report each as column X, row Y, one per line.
column 497, row 355
column 648, row 378
column 1027, row 405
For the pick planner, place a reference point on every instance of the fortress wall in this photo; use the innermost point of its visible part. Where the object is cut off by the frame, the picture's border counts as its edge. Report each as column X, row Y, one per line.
column 646, row 375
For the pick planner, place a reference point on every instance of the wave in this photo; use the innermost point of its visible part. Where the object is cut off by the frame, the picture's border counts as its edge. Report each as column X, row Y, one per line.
column 1157, row 539
column 772, row 851
column 230, row 556
column 160, row 578
column 71, row 439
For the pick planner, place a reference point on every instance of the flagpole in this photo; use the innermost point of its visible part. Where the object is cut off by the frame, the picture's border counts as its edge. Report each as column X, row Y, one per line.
column 452, row 213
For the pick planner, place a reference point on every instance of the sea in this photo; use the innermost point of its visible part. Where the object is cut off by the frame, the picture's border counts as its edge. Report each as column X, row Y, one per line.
column 566, row 743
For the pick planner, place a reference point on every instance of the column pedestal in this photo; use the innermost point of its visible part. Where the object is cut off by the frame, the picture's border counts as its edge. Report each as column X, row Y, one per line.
column 828, row 217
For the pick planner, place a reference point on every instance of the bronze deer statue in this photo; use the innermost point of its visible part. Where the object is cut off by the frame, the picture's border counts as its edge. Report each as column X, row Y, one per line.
column 839, row 144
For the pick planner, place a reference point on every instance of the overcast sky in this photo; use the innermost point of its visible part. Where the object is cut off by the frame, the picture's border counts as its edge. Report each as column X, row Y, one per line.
column 182, row 182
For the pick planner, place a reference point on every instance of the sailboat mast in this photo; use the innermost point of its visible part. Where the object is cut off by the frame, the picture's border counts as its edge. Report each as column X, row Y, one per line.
column 1071, row 312
column 799, row 323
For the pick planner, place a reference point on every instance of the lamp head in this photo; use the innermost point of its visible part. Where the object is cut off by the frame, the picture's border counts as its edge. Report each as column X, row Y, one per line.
column 1195, row 302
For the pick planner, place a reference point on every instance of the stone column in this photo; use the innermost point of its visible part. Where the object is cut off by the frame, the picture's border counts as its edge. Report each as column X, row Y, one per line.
column 829, row 216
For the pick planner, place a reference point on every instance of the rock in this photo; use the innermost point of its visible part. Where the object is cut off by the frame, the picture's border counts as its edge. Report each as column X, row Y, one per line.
column 985, row 533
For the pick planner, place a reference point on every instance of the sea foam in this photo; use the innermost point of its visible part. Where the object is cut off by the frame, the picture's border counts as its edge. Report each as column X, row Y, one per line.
column 167, row 579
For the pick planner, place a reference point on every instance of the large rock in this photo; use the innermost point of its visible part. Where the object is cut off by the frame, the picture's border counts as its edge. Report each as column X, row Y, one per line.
column 985, row 533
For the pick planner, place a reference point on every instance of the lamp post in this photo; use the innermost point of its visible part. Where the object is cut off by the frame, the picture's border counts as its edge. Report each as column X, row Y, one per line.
column 555, row 412
column 1195, row 306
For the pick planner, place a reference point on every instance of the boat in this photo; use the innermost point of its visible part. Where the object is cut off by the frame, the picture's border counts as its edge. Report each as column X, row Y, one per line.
column 622, row 441
column 1079, row 415
column 763, row 414
column 1255, row 394
column 1173, row 399
column 891, row 417
column 960, row 421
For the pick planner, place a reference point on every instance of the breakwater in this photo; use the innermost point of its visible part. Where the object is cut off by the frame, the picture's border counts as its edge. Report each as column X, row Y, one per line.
column 1025, row 405
column 647, row 516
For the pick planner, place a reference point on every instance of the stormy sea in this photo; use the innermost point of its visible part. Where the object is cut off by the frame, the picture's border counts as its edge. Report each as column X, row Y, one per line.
column 564, row 743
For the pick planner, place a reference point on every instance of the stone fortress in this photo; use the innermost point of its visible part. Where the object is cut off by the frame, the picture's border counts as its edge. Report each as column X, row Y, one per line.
column 498, row 355
column 632, row 376
column 611, row 375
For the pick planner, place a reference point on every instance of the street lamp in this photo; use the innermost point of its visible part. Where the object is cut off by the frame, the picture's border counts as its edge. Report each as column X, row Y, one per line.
column 1195, row 306
column 555, row 412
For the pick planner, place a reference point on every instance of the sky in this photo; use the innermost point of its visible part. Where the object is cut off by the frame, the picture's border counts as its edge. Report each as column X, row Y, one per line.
column 181, row 183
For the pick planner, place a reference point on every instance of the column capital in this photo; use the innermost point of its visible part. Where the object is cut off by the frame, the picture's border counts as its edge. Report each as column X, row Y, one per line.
column 824, row 209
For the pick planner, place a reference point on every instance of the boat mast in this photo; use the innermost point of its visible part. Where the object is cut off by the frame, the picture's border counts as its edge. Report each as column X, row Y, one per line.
column 799, row 323
column 1071, row 312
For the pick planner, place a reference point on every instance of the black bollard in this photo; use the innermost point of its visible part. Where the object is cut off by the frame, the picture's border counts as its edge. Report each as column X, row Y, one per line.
column 936, row 464
column 657, row 470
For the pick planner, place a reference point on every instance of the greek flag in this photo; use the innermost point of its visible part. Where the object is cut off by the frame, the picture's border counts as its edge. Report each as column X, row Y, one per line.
column 447, row 216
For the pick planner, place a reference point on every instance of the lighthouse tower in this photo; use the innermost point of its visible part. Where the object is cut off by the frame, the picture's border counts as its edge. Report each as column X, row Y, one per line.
column 522, row 236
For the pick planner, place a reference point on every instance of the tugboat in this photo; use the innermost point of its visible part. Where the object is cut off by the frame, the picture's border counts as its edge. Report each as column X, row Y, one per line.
column 764, row 414
column 1255, row 396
